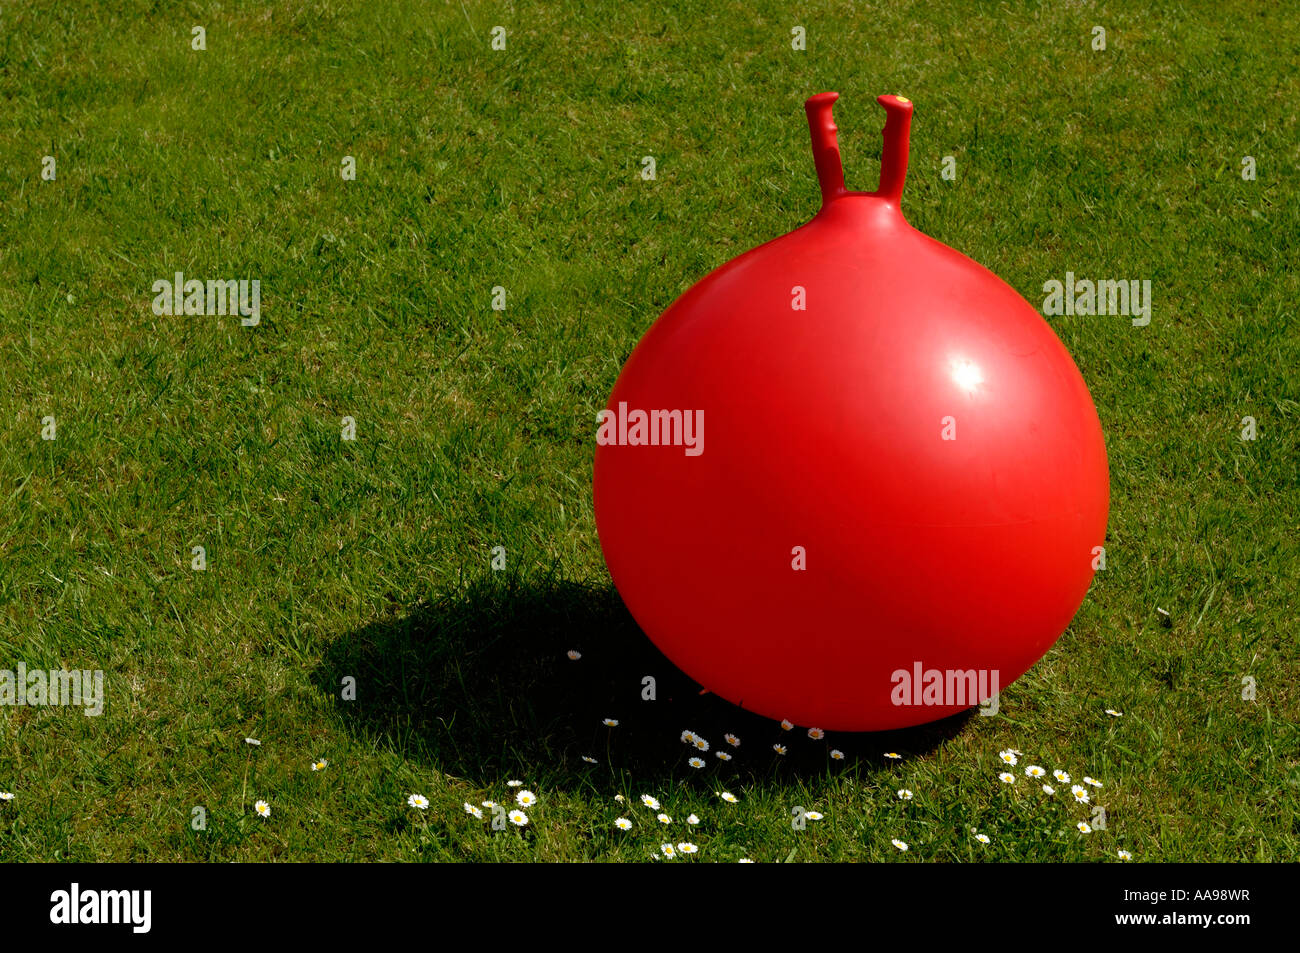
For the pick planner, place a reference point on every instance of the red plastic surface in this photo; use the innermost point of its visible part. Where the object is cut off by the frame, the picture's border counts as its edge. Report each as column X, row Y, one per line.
column 825, row 428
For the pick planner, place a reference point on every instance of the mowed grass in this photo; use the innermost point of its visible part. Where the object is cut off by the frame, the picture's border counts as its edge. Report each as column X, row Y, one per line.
column 371, row 559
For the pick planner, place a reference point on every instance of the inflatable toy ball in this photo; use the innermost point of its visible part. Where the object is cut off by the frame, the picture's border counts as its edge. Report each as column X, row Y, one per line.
column 851, row 478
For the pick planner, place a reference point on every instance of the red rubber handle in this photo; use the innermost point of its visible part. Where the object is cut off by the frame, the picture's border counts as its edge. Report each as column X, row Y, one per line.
column 825, row 144
column 826, row 147
column 893, row 158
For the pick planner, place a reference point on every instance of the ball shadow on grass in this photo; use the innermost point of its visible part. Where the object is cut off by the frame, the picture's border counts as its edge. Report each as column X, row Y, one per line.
column 480, row 685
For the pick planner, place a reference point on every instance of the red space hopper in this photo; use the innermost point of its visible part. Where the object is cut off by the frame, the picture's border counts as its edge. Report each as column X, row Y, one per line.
column 851, row 478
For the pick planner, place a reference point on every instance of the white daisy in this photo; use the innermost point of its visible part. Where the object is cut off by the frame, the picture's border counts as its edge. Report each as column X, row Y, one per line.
column 687, row 848
column 649, row 802
column 574, row 654
column 1034, row 771
column 263, row 809
column 619, row 798
column 1008, row 756
column 692, row 819
column 590, row 760
column 1114, row 714
column 252, row 741
column 518, row 818
column 514, row 784
column 489, row 804
column 1093, row 781
column 731, row 740
column 1006, row 777
column 418, row 800
column 471, row 809
column 813, row 815
column 6, row 796
column 701, row 743
column 663, row 819
column 904, row 794
column 893, row 755
column 779, row 749
column 611, row 722
column 688, row 737
column 899, row 844
column 729, row 797
column 982, row 838
column 837, row 754
column 1048, row 789
column 1125, row 855
column 816, row 734
column 744, row 860
column 722, row 755
column 695, row 762
column 320, row 765
column 1061, row 776
column 668, row 850
column 623, row 824
column 786, row 725
column 525, row 798
column 1083, row 827
column 1080, row 793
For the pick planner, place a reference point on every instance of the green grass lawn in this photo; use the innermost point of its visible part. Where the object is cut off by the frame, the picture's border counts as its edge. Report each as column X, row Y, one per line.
column 329, row 560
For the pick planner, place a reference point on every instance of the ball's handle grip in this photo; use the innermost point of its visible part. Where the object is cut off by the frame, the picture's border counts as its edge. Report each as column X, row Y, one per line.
column 826, row 147
column 893, row 158
column 825, row 144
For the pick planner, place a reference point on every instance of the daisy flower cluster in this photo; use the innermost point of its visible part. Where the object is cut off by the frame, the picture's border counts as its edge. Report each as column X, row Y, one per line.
column 669, row 851
column 664, row 819
column 814, row 734
column 701, row 746
column 685, row 847
column 516, row 816
column 1080, row 794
